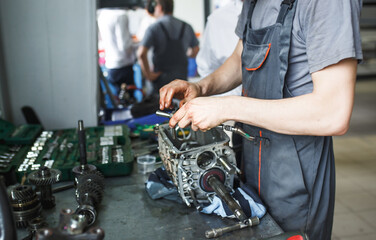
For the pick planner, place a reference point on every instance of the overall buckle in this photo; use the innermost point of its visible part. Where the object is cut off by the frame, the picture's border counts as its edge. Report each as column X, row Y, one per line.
column 288, row 2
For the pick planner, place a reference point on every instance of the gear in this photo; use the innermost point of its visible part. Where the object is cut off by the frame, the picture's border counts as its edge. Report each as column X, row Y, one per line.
column 21, row 193
column 94, row 177
column 43, row 179
column 89, row 192
column 25, row 204
column 44, row 176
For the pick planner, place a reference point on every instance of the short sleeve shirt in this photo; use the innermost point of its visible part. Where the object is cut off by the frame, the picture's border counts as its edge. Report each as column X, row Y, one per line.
column 324, row 32
column 155, row 37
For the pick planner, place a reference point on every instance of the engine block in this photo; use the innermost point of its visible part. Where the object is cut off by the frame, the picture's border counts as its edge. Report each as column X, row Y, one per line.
column 191, row 157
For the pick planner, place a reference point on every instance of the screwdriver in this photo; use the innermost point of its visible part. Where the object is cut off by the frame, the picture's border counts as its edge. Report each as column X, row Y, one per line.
column 221, row 126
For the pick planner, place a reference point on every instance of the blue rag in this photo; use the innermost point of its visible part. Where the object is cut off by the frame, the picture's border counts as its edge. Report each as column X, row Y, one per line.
column 159, row 186
column 248, row 200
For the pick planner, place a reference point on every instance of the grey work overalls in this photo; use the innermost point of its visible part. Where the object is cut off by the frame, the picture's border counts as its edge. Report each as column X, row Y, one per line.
column 294, row 175
column 172, row 62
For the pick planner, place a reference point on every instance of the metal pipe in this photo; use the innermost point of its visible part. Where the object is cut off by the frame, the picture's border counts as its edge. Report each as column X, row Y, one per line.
column 221, row 191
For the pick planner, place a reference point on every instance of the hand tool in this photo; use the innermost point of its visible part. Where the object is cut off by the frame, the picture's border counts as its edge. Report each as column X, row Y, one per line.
column 216, row 232
column 52, row 146
column 229, row 128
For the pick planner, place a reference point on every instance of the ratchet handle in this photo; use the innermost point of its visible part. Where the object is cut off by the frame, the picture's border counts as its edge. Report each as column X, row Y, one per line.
column 216, row 232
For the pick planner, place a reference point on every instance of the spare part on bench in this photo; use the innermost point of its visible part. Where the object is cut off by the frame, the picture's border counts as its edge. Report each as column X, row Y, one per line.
column 84, row 166
column 25, row 204
column 89, row 194
column 72, row 226
column 192, row 158
column 43, row 180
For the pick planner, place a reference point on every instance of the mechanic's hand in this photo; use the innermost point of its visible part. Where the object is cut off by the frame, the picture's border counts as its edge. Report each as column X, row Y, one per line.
column 201, row 113
column 154, row 75
column 180, row 89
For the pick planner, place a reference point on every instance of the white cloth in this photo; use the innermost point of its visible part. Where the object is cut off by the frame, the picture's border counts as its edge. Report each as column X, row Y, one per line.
column 219, row 40
column 116, row 39
column 145, row 23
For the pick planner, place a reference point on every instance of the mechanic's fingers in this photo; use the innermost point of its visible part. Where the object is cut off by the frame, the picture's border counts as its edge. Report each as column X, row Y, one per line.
column 177, row 117
column 182, row 102
column 194, row 127
column 168, row 97
column 162, row 96
column 185, row 121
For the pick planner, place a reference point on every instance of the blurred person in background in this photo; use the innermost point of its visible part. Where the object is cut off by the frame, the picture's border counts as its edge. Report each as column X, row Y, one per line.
column 170, row 39
column 113, row 25
column 219, row 40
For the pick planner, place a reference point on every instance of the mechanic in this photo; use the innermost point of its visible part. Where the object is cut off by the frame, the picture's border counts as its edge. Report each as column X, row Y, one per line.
column 170, row 39
column 118, row 45
column 297, row 61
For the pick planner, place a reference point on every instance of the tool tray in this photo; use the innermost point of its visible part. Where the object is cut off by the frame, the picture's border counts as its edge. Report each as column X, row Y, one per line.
column 15, row 152
column 21, row 135
column 107, row 147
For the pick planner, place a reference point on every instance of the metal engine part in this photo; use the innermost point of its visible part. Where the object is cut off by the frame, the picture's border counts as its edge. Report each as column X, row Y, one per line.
column 71, row 226
column 84, row 166
column 89, row 194
column 25, row 203
column 43, row 179
column 192, row 157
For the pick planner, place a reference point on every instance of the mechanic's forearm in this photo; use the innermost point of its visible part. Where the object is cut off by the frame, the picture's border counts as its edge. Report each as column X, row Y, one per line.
column 144, row 64
column 226, row 77
column 287, row 116
column 324, row 112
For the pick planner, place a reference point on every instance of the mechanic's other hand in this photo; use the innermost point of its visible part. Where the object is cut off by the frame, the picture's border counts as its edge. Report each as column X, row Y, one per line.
column 154, row 75
column 201, row 113
column 180, row 89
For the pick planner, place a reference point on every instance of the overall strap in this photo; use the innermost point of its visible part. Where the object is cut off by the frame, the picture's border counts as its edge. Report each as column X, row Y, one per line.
column 249, row 18
column 286, row 5
column 165, row 31
column 182, row 31
column 286, row 18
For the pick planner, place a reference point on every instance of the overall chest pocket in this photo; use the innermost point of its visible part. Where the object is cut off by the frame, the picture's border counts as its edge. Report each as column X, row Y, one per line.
column 254, row 56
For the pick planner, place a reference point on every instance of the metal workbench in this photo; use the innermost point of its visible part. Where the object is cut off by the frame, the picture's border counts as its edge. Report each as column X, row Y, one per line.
column 127, row 212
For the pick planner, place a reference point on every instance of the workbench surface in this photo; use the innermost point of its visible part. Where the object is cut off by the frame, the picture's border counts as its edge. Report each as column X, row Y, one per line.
column 127, row 212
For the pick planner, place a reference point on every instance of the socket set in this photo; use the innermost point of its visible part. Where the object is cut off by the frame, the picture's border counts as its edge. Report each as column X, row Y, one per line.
column 108, row 148
column 10, row 156
column 15, row 143
column 21, row 135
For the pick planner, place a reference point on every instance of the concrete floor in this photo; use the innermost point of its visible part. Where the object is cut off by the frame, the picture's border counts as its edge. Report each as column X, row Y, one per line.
column 355, row 154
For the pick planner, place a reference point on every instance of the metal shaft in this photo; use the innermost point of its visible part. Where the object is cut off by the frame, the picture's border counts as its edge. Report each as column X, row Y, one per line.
column 164, row 114
column 221, row 191
column 82, row 143
column 216, row 232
